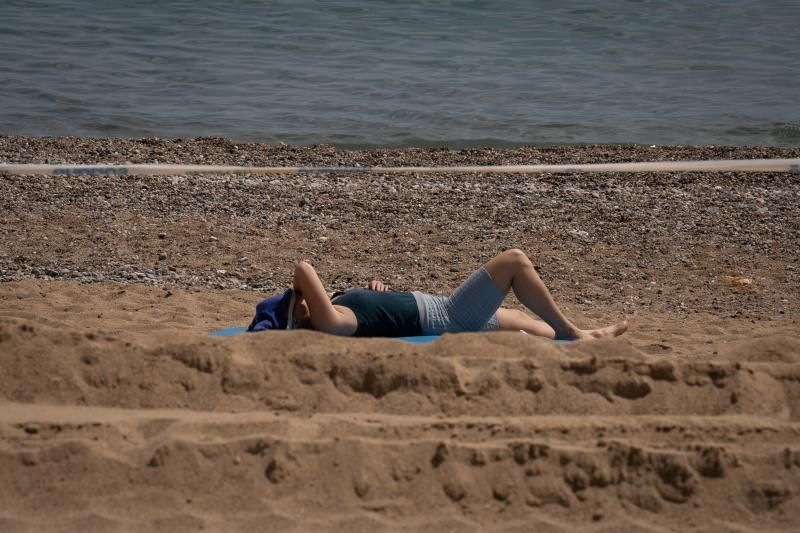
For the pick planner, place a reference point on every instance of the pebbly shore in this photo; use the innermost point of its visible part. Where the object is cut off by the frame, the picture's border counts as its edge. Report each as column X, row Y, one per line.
column 721, row 243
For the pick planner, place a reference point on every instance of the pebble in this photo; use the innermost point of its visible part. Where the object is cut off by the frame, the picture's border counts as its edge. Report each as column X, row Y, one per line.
column 454, row 490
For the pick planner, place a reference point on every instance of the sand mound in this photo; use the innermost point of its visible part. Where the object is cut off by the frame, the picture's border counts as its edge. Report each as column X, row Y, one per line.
column 105, row 468
column 311, row 372
column 111, row 428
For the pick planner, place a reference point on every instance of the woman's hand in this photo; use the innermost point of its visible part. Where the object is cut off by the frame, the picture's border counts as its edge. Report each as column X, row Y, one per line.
column 376, row 285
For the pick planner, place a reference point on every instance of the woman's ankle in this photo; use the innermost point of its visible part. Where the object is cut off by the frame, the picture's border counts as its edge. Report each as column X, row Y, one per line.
column 568, row 333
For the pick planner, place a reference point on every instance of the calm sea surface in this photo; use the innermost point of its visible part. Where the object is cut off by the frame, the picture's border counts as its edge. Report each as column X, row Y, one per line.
column 391, row 73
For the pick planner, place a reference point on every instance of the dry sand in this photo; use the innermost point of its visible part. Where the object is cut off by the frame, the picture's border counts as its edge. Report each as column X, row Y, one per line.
column 119, row 413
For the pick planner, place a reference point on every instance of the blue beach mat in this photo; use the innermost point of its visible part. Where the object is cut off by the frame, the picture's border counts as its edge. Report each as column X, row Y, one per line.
column 230, row 332
column 227, row 332
column 421, row 339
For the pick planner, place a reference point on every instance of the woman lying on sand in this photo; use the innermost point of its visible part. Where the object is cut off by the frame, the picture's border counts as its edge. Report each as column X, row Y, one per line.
column 474, row 306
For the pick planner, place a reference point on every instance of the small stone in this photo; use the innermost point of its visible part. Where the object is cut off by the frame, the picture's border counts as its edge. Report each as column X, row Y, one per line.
column 212, row 239
column 28, row 459
column 361, row 487
column 520, row 453
column 454, row 490
column 162, row 235
column 237, row 460
column 440, row 454
column 534, row 384
column 162, row 256
column 533, row 501
column 502, row 492
column 275, row 472
column 159, row 458
column 477, row 458
column 90, row 359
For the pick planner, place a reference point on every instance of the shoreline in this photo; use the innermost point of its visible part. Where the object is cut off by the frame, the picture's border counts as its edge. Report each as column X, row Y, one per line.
column 219, row 150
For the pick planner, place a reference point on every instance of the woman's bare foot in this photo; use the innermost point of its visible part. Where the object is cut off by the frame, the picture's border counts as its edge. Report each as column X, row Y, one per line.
column 615, row 330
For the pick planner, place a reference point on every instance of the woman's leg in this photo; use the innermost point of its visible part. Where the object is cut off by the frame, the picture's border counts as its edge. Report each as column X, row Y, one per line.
column 513, row 270
column 471, row 306
column 516, row 320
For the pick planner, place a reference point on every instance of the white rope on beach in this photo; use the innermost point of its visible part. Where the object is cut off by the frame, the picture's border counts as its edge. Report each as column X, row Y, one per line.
column 721, row 165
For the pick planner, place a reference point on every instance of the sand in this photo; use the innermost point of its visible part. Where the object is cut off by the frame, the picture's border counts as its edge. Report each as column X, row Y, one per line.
column 119, row 413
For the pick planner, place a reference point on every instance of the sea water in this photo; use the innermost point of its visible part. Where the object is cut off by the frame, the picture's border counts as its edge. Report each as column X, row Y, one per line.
column 404, row 73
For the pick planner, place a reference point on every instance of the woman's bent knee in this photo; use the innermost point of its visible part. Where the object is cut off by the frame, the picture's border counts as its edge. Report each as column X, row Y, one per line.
column 505, row 265
column 517, row 257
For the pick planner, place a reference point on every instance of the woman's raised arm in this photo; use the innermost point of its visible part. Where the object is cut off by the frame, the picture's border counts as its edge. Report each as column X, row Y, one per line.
column 324, row 316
